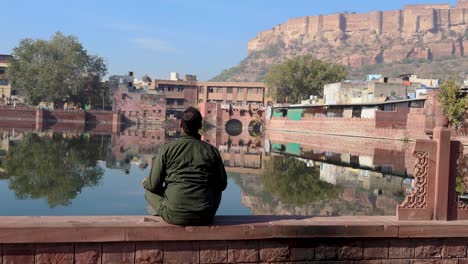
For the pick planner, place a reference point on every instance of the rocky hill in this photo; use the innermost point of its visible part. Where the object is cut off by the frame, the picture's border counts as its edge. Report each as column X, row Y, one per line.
column 429, row 34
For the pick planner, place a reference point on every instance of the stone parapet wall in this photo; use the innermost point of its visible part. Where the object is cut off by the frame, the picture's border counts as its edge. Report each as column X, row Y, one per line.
column 249, row 239
column 351, row 250
column 76, row 120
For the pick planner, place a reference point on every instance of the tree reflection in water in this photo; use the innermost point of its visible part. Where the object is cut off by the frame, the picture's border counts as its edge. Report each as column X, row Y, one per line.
column 54, row 168
column 291, row 180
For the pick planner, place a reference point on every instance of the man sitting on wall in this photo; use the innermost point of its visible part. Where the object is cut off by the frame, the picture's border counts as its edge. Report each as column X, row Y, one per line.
column 187, row 177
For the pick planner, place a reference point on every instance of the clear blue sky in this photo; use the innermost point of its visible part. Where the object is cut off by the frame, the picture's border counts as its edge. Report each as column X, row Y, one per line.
column 156, row 37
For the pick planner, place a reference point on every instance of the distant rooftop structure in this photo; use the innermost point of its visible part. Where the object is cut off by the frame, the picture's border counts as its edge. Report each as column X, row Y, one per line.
column 5, row 58
column 174, row 76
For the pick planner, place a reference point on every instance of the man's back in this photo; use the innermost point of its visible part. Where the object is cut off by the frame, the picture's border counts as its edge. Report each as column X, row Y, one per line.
column 194, row 177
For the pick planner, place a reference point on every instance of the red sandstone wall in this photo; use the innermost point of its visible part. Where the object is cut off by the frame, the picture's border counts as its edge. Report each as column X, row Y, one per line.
column 331, row 250
column 392, row 119
column 336, row 126
column 61, row 116
column 18, row 113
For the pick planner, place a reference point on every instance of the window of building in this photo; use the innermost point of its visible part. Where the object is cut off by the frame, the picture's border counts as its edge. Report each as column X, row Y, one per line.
column 210, row 90
column 2, row 70
column 154, row 111
column 160, row 88
column 228, row 101
column 259, row 90
column 250, row 91
column 201, row 89
column 229, row 90
column 180, row 102
column 200, row 100
column 159, row 110
column 239, row 90
column 124, row 96
column 169, row 101
column 180, row 89
column 170, row 88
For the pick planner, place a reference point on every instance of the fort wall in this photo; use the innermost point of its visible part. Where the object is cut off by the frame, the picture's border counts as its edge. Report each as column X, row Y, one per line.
column 413, row 19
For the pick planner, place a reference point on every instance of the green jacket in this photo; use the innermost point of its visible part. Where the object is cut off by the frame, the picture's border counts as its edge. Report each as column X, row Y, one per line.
column 190, row 174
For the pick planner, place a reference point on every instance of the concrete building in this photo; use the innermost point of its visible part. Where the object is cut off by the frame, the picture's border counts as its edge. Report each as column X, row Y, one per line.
column 233, row 93
column 5, row 86
column 140, row 106
column 179, row 95
column 347, row 92
column 377, row 89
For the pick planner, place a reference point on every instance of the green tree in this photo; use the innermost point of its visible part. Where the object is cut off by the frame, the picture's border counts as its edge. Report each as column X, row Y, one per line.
column 52, row 168
column 59, row 70
column 453, row 102
column 290, row 179
column 300, row 77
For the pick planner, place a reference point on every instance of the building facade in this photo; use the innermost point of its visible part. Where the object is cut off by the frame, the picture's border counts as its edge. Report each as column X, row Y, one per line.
column 179, row 95
column 233, row 93
column 5, row 86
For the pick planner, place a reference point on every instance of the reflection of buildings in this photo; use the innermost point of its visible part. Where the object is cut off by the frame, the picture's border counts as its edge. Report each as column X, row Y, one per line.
column 369, row 180
column 135, row 144
column 241, row 153
column 387, row 157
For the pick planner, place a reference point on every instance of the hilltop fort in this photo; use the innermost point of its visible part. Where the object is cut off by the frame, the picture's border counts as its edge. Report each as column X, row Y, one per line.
column 417, row 32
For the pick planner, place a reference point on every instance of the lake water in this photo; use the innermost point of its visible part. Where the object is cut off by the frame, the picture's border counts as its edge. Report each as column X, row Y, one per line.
column 71, row 173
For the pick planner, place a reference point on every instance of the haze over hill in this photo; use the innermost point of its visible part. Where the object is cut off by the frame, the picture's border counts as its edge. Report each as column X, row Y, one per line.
column 427, row 40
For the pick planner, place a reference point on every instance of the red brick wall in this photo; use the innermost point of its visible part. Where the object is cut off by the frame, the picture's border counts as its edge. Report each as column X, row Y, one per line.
column 327, row 250
column 392, row 119
column 18, row 113
column 61, row 116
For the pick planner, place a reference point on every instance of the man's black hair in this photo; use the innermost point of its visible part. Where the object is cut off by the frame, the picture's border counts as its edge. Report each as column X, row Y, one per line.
column 191, row 120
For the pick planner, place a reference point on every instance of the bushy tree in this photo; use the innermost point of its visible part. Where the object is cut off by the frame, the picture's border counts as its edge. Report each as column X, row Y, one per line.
column 58, row 70
column 290, row 179
column 453, row 102
column 300, row 77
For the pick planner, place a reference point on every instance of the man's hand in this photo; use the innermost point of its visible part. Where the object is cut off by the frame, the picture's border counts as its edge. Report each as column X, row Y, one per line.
column 143, row 182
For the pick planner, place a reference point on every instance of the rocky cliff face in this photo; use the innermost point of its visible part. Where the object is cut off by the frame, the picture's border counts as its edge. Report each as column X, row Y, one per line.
column 418, row 32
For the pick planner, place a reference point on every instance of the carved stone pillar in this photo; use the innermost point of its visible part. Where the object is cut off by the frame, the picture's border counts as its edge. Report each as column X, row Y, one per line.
column 419, row 205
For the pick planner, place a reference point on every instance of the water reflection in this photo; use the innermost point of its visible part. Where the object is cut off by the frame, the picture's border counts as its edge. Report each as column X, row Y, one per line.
column 53, row 167
column 275, row 173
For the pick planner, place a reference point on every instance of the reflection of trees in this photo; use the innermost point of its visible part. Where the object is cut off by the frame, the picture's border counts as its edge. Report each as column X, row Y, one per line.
column 53, row 168
column 290, row 179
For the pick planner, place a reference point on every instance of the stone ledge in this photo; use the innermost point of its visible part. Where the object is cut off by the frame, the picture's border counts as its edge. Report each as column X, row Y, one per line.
column 53, row 229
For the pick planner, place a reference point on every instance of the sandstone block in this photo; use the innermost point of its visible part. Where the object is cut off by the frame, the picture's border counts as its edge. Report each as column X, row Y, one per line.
column 149, row 252
column 350, row 250
column 273, row 251
column 298, row 253
column 375, row 249
column 114, row 253
column 54, row 253
column 213, row 252
column 326, row 252
column 88, row 253
column 428, row 249
column 452, row 248
column 181, row 252
column 400, row 248
column 18, row 253
column 243, row 251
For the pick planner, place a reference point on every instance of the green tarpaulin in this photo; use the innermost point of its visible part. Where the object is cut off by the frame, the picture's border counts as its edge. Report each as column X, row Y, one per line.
column 293, row 148
column 278, row 113
column 295, row 114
